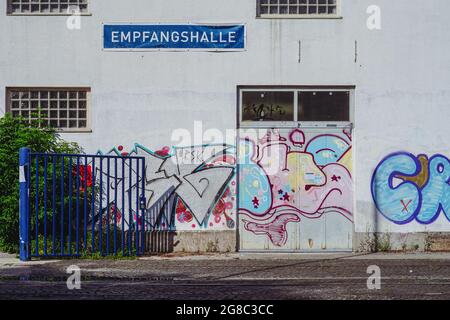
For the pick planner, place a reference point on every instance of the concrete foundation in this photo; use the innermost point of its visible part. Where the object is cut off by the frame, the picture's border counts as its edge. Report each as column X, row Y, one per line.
column 225, row 242
column 386, row 242
column 191, row 241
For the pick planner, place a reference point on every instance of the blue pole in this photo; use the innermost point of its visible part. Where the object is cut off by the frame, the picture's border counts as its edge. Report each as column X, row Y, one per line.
column 77, row 241
column 54, row 205
column 116, row 185
column 108, row 205
column 93, row 207
column 36, row 227
column 70, row 207
column 136, row 231
column 45, row 204
column 24, row 214
column 62, row 244
column 100, row 210
column 143, row 205
column 130, row 215
column 123, row 206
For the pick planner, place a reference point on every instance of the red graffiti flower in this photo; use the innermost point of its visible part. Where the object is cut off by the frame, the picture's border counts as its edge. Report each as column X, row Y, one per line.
column 229, row 205
column 227, row 193
column 184, row 217
column 219, row 208
column 183, row 214
column 164, row 152
column 180, row 207
column 124, row 154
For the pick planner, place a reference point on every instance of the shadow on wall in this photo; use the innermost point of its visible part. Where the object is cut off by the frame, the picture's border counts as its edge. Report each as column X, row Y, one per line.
column 160, row 241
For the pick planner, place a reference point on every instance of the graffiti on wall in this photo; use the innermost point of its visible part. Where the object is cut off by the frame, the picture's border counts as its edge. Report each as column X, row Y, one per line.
column 407, row 188
column 288, row 176
column 284, row 177
column 192, row 188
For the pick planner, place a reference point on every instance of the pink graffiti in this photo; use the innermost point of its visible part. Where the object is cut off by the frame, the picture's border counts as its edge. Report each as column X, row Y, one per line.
column 297, row 137
column 333, row 194
column 276, row 230
column 123, row 153
column 164, row 152
column 300, row 187
column 272, row 135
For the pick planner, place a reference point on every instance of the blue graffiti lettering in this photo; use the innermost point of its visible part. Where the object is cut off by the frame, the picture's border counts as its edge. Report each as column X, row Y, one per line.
column 405, row 190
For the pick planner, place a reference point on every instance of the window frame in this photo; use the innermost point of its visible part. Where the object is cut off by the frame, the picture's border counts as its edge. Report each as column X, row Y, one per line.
column 88, row 91
column 295, row 123
column 10, row 12
column 337, row 15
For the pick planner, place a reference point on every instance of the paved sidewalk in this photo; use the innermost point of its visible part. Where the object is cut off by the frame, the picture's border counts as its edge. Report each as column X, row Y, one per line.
column 9, row 260
column 232, row 276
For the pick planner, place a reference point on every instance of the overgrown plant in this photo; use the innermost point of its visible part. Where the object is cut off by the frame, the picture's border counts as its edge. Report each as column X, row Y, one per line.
column 384, row 243
column 16, row 133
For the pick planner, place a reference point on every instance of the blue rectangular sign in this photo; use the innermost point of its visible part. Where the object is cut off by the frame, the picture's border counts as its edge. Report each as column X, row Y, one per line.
column 173, row 37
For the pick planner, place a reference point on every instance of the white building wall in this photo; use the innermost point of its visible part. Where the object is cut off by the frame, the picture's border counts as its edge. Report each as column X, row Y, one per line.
column 401, row 76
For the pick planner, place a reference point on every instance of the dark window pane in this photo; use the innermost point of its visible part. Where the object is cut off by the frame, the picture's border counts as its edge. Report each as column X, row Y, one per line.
column 82, row 124
column 15, row 95
column 82, row 105
column 268, row 106
column 324, row 106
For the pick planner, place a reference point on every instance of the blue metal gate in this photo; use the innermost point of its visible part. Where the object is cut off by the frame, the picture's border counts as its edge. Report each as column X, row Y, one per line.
column 74, row 205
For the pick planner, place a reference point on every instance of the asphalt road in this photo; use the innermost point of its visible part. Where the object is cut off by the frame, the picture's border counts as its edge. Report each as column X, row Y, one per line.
column 232, row 277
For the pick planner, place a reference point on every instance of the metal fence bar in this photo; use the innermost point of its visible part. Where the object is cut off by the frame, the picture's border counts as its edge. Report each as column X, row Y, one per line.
column 36, row 205
column 62, row 206
column 136, row 232
column 143, row 206
column 93, row 207
column 77, row 184
column 94, row 156
column 108, row 186
column 70, row 207
column 100, row 210
column 54, row 205
column 115, row 206
column 24, row 155
column 28, row 221
column 85, row 172
column 123, row 206
column 130, row 208
column 45, row 204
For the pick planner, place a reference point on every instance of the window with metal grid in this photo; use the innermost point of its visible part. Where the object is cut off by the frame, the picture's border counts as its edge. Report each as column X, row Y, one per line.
column 62, row 108
column 298, row 8
column 47, row 6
